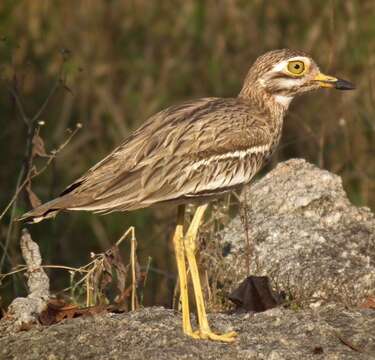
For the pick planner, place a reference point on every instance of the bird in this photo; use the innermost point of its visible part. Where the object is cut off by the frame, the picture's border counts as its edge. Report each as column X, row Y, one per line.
column 193, row 152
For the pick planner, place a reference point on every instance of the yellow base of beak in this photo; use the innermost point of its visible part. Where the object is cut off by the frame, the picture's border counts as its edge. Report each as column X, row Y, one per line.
column 327, row 81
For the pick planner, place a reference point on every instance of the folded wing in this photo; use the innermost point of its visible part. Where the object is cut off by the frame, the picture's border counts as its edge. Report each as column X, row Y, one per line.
column 196, row 149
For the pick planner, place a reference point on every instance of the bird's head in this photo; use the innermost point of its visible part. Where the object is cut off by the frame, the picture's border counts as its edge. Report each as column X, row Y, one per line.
column 285, row 73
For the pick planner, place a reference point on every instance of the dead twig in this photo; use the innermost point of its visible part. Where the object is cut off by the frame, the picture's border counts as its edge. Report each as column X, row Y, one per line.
column 102, row 265
column 244, row 213
column 32, row 127
column 24, row 311
column 133, row 261
column 34, row 172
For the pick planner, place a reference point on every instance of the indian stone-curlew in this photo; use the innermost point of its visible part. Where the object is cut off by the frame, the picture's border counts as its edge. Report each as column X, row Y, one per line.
column 195, row 151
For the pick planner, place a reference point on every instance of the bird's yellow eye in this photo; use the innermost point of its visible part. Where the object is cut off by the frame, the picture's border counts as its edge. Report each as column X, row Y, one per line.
column 296, row 67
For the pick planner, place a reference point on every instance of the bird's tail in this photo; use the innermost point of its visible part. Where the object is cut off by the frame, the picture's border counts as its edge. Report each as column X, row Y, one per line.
column 46, row 210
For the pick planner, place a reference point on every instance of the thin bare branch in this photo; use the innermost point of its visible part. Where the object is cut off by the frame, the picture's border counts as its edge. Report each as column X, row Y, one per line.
column 19, row 105
column 46, row 101
column 34, row 172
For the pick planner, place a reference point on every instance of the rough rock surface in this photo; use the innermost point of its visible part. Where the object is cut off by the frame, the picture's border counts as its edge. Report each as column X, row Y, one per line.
column 154, row 334
column 305, row 235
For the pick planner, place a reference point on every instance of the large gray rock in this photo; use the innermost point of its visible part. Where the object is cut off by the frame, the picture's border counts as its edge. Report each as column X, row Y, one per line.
column 331, row 332
column 302, row 232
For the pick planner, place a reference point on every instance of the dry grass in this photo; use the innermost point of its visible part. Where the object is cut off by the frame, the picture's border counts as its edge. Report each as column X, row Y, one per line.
column 90, row 283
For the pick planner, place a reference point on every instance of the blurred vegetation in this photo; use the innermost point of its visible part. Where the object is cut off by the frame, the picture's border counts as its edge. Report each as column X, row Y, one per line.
column 122, row 61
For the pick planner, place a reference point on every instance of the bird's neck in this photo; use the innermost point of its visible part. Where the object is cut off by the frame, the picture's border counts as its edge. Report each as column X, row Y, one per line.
column 277, row 105
column 274, row 106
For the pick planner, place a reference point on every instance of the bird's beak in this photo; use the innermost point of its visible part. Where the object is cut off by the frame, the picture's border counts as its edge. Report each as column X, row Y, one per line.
column 332, row 82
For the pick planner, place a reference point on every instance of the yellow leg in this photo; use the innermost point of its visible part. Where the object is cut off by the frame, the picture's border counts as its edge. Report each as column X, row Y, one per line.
column 181, row 267
column 204, row 331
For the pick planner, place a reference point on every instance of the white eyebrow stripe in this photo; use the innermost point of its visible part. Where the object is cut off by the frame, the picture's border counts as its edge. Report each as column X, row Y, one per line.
column 233, row 154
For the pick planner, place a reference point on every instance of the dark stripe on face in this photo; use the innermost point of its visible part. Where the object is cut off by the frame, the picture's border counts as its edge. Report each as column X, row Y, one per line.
column 278, row 88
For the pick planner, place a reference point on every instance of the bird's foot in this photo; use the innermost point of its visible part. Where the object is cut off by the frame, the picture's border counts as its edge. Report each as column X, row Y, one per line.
column 209, row 335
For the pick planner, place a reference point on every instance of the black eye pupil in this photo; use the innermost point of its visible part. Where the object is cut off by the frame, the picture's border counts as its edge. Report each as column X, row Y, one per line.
column 296, row 66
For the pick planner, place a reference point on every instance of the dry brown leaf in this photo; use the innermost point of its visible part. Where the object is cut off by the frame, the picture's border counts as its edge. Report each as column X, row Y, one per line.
column 38, row 146
column 57, row 311
column 54, row 312
column 106, row 275
column 115, row 260
column 67, row 313
column 110, row 278
column 114, row 265
column 255, row 294
column 92, row 310
column 121, row 298
column 33, row 198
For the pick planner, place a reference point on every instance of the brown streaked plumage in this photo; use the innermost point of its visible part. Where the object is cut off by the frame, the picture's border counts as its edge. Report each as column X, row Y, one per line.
column 195, row 151
column 168, row 158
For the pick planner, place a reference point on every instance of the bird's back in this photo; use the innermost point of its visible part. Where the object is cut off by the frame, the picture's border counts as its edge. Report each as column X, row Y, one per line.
column 195, row 150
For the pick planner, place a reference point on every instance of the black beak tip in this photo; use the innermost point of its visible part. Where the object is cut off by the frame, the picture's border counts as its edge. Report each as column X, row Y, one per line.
column 344, row 85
